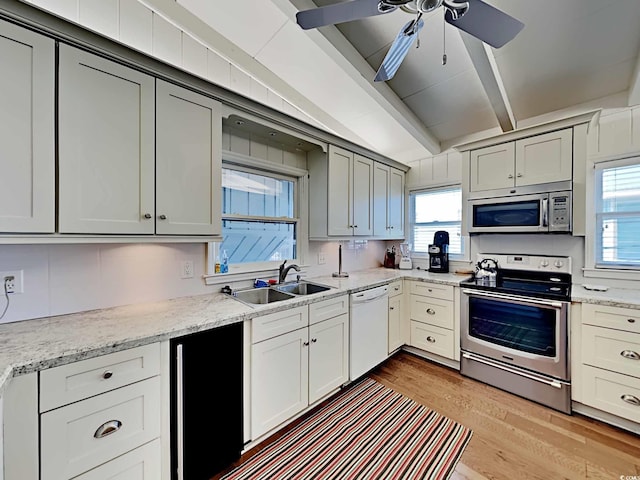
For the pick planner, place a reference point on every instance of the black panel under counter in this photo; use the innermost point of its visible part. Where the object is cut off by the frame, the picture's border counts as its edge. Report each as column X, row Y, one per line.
column 206, row 402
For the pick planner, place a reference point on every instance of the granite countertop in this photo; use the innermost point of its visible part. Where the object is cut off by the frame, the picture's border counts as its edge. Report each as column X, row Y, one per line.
column 614, row 297
column 33, row 345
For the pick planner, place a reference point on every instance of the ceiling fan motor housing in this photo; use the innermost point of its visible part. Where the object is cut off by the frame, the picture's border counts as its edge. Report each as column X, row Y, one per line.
column 426, row 6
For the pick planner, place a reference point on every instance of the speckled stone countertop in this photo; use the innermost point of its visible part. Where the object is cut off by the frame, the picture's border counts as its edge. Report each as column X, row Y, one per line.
column 33, row 345
column 615, row 297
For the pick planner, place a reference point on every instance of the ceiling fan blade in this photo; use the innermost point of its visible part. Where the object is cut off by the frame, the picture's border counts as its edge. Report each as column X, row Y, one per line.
column 392, row 60
column 338, row 13
column 486, row 23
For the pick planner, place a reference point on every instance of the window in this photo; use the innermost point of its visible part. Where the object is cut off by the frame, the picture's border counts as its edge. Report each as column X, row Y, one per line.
column 259, row 219
column 617, row 197
column 433, row 210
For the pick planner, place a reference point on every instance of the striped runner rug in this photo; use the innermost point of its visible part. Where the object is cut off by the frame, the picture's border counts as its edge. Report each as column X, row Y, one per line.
column 368, row 432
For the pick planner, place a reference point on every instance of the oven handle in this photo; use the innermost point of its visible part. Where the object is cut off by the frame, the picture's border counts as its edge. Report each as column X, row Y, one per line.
column 523, row 301
column 551, row 383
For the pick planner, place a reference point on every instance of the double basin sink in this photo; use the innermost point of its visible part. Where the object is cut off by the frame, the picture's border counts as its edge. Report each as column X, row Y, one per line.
column 278, row 293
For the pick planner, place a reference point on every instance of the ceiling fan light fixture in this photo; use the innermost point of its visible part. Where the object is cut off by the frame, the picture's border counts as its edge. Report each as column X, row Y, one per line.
column 456, row 9
column 426, row 6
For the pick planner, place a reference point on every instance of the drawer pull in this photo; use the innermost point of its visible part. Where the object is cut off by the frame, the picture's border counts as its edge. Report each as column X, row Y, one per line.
column 107, row 428
column 630, row 354
column 396, row 288
column 429, row 289
column 147, row 216
column 431, row 311
column 430, row 339
column 631, row 320
column 631, row 399
column 162, row 217
column 107, row 374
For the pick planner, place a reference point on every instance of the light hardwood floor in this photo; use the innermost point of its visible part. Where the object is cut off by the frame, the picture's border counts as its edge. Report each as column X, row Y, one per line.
column 513, row 438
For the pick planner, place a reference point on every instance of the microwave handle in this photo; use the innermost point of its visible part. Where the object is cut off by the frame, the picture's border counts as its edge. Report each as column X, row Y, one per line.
column 545, row 212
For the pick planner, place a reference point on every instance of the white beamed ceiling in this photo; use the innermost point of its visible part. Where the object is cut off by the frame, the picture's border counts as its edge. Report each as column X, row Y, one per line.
column 572, row 55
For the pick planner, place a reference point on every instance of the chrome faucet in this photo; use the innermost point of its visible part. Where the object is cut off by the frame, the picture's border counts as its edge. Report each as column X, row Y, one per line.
column 285, row 270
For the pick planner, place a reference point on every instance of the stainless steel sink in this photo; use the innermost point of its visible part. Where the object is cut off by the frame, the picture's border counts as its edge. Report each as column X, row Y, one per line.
column 261, row 296
column 302, row 288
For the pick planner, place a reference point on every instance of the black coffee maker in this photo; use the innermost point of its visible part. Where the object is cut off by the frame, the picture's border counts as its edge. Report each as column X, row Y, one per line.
column 439, row 252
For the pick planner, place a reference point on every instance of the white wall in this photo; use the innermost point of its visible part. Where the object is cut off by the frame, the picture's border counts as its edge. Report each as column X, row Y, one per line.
column 355, row 256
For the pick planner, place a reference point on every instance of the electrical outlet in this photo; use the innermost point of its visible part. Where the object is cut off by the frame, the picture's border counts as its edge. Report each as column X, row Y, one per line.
column 187, row 269
column 13, row 281
column 321, row 258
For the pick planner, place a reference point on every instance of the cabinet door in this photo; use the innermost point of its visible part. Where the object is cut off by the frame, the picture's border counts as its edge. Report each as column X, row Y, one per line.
column 143, row 463
column 395, row 323
column 328, row 356
column 340, row 192
column 544, row 158
column 381, row 183
column 188, row 162
column 492, row 167
column 396, row 203
column 279, row 380
column 362, row 195
column 106, row 146
column 27, row 151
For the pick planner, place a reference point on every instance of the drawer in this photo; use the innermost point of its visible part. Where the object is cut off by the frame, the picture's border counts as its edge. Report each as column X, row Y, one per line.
column 274, row 324
column 606, row 390
column 70, row 441
column 432, row 339
column 326, row 309
column 611, row 349
column 432, row 311
column 395, row 288
column 435, row 290
column 76, row 381
column 613, row 317
column 143, row 463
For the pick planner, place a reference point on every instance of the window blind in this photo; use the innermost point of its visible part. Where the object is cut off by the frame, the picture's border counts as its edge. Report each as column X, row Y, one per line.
column 618, row 214
column 436, row 210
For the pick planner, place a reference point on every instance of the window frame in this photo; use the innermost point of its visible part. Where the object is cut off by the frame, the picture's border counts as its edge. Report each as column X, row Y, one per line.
column 240, row 162
column 464, row 239
column 591, row 267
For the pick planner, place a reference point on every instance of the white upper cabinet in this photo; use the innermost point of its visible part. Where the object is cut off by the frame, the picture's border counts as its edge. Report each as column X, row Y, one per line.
column 188, row 162
column 350, row 193
column 106, row 146
column 27, row 153
column 534, row 160
column 388, row 202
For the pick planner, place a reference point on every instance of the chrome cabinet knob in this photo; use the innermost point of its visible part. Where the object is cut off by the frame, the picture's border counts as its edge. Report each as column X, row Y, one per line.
column 314, row 340
column 147, row 216
column 162, row 217
column 430, row 339
column 519, row 175
column 107, row 374
column 431, row 311
column 510, row 176
column 391, row 308
column 631, row 320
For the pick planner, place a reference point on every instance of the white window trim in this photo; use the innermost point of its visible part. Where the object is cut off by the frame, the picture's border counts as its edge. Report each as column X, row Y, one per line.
column 246, row 271
column 590, row 269
column 464, row 239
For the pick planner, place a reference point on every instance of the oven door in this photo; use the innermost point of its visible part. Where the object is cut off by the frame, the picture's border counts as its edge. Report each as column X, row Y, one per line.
column 526, row 332
column 519, row 214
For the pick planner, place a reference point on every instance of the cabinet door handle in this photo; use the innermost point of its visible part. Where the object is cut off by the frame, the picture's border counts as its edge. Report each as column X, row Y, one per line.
column 430, row 339
column 107, row 428
column 630, row 354
column 355, row 226
column 429, row 289
column 519, row 175
column 147, row 216
column 390, row 308
column 396, row 288
column 314, row 340
column 631, row 320
column 107, row 374
column 162, row 217
column 431, row 311
column 631, row 399
column 306, row 344
column 510, row 176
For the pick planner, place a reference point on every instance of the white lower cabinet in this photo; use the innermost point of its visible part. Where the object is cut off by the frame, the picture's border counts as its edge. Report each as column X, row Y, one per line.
column 398, row 334
column 140, row 464
column 290, row 371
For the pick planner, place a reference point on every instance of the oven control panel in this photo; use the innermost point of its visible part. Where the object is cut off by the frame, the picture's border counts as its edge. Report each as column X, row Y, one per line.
column 547, row 263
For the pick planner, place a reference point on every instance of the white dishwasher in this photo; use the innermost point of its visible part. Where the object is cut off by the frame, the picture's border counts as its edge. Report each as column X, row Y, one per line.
column 369, row 330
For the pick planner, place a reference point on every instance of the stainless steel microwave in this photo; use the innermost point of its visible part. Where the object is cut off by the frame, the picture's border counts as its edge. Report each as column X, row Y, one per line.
column 536, row 213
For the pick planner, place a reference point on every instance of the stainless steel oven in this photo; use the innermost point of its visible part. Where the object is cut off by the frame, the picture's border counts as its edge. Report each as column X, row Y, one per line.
column 515, row 333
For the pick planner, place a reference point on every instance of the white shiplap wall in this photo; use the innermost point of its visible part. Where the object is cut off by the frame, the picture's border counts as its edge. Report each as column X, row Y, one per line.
column 139, row 27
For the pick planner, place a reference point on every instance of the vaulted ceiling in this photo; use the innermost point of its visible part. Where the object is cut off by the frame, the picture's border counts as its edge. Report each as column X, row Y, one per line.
column 571, row 55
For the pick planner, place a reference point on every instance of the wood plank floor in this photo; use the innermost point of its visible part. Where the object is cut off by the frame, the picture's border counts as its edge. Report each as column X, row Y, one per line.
column 513, row 438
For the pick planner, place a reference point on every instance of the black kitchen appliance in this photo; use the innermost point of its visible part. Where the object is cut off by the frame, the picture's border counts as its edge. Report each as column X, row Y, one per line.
column 439, row 252
column 206, row 402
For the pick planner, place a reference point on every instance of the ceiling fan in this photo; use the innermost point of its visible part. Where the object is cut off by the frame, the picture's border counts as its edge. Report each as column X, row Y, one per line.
column 475, row 17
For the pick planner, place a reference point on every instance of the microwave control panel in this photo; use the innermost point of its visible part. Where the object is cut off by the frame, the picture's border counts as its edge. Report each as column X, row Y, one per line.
column 560, row 212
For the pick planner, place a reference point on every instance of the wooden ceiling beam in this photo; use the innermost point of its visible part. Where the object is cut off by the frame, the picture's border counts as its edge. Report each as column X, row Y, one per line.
column 485, row 64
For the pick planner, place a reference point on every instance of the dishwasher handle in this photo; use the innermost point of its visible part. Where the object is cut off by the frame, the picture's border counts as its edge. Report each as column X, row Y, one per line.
column 362, row 297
